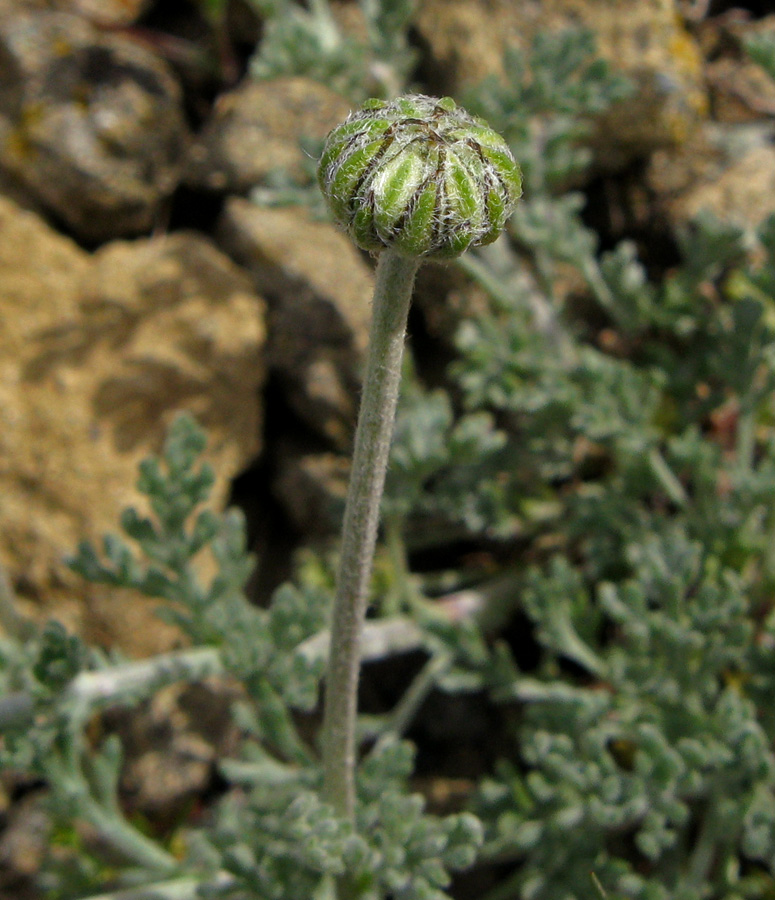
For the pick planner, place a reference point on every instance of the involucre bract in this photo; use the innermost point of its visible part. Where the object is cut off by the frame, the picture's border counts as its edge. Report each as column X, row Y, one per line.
column 418, row 175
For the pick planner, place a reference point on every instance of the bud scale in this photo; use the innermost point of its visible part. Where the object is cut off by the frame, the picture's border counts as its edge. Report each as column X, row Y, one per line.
column 418, row 175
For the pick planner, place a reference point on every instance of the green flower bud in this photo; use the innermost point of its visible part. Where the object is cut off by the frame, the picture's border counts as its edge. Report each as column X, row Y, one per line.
column 419, row 175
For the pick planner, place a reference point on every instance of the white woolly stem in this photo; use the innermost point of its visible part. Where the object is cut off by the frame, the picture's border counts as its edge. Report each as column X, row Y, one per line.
column 392, row 295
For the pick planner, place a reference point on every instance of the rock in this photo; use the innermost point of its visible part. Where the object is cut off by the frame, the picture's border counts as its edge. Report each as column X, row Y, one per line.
column 740, row 91
column 312, row 488
column 728, row 170
column 91, row 123
column 106, row 13
column 319, row 291
column 644, row 40
column 647, row 42
column 466, row 39
column 172, row 745
column 743, row 195
column 447, row 296
column 726, row 166
column 96, row 356
column 24, row 842
column 258, row 128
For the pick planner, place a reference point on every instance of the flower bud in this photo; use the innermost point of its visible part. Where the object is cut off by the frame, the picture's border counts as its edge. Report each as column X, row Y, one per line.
column 419, row 175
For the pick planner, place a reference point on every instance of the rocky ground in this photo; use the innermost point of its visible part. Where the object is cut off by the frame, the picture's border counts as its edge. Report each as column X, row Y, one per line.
column 138, row 278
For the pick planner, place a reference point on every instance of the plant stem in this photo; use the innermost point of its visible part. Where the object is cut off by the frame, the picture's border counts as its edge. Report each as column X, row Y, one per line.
column 140, row 678
column 173, row 889
column 379, row 640
column 124, row 838
column 392, row 294
column 402, row 596
column 404, row 712
column 669, row 481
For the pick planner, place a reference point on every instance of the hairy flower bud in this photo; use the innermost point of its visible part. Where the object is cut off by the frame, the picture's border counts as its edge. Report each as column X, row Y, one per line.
column 419, row 175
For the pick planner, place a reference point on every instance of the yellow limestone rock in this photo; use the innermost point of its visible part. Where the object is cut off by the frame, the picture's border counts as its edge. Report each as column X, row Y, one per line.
column 97, row 355
column 644, row 40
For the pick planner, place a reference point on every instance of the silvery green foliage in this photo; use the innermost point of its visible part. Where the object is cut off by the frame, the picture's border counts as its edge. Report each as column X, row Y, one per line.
column 270, row 836
column 33, row 671
column 651, row 766
column 431, row 445
column 306, row 40
column 517, row 360
column 631, row 479
column 627, row 435
column 278, row 839
column 410, row 852
column 420, row 176
column 257, row 645
column 644, row 752
column 760, row 46
column 545, row 110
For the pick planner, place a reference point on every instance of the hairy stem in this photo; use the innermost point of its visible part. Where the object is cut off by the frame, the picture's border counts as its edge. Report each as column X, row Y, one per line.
column 392, row 294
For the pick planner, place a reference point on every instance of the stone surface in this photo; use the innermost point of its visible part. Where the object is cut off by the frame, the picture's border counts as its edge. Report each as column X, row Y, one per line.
column 258, row 128
column 728, row 170
column 743, row 195
column 24, row 842
column 91, row 123
column 644, row 40
column 319, row 289
column 172, row 746
column 312, row 488
column 740, row 91
column 96, row 356
column 725, row 166
column 107, row 13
